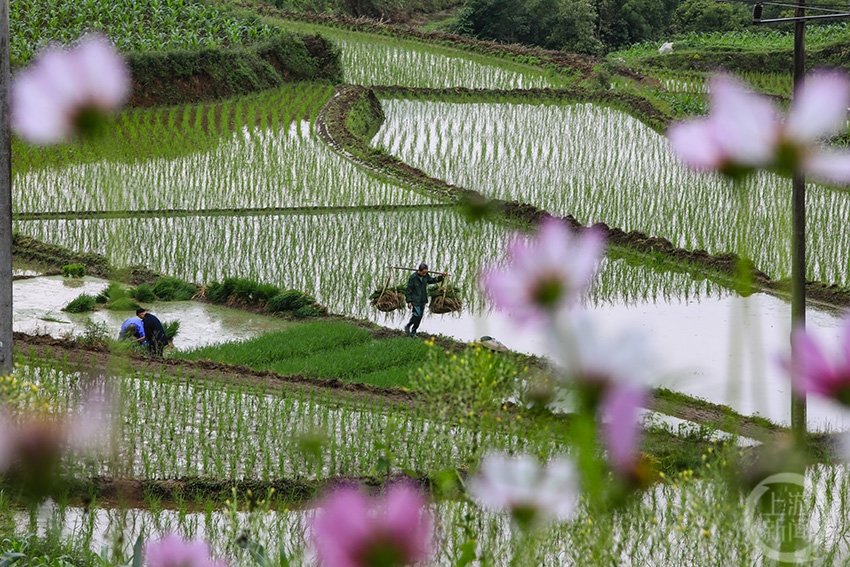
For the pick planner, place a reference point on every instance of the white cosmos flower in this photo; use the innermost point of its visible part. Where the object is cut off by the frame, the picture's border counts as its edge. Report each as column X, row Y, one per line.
column 532, row 493
column 52, row 99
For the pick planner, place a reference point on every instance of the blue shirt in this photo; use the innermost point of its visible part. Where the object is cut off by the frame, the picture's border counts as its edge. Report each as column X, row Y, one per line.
column 133, row 322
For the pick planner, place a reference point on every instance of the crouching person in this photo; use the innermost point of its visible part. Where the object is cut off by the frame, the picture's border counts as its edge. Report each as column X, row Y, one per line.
column 153, row 330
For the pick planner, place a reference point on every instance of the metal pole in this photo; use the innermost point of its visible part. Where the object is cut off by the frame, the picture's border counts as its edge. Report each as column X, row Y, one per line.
column 5, row 197
column 798, row 236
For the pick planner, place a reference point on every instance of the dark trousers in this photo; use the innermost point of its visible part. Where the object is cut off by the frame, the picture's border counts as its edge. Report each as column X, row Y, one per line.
column 415, row 318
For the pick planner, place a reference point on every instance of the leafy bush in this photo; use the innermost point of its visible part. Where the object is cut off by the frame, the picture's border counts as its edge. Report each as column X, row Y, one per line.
column 172, row 289
column 82, row 303
column 289, row 300
column 307, row 311
column 73, row 270
column 95, row 334
column 473, row 380
column 143, row 293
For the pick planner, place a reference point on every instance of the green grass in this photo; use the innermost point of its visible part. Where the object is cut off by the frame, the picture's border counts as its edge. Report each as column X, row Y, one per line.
column 324, row 350
column 762, row 39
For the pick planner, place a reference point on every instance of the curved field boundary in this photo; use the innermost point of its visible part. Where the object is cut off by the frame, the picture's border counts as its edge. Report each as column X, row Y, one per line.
column 258, row 211
column 179, row 492
column 333, row 127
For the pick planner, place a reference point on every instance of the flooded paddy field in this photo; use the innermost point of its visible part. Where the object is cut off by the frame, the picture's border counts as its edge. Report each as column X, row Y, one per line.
column 710, row 343
column 602, row 165
column 668, row 525
column 368, row 59
column 39, row 302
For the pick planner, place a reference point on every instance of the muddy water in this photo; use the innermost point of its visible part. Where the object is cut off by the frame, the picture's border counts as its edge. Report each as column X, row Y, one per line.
column 723, row 349
column 38, row 304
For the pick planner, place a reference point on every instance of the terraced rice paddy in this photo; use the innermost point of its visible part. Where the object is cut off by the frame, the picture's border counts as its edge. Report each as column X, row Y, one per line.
column 662, row 528
column 306, row 436
column 340, row 257
column 369, row 59
column 601, row 165
column 203, row 424
column 260, row 153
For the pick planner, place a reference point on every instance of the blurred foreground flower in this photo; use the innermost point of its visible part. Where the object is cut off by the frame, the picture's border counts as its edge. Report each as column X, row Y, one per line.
column 545, row 274
column 531, row 493
column 174, row 551
column 32, row 446
column 622, row 430
column 68, row 92
column 814, row 371
column 595, row 364
column 744, row 130
column 352, row 530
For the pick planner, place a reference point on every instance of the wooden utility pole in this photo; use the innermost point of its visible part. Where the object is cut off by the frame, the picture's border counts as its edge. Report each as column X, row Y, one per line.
column 798, row 191
column 5, row 197
column 798, row 235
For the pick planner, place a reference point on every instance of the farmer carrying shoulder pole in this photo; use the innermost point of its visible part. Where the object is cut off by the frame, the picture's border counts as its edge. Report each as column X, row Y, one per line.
column 417, row 296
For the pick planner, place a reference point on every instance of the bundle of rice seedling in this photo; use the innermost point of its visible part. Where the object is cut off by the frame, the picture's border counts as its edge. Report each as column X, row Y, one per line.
column 444, row 304
column 444, row 299
column 388, row 300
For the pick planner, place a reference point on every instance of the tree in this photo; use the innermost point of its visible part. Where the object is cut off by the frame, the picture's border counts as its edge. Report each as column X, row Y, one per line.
column 709, row 15
column 574, row 28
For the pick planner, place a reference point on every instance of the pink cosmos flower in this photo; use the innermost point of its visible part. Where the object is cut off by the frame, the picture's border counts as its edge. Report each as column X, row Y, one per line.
column 65, row 90
column 813, row 371
column 352, row 530
column 620, row 412
column 33, row 446
column 744, row 130
column 531, row 493
column 545, row 274
column 174, row 551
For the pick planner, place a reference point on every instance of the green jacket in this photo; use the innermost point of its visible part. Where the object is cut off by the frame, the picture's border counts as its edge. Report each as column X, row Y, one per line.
column 417, row 288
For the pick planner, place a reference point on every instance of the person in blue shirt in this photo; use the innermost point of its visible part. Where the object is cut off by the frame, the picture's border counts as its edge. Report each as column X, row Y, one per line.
column 132, row 329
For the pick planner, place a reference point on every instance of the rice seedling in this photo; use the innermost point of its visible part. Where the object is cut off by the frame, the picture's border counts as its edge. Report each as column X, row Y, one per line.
column 600, row 165
column 762, row 39
column 183, row 426
column 197, row 166
column 340, row 258
column 676, row 522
